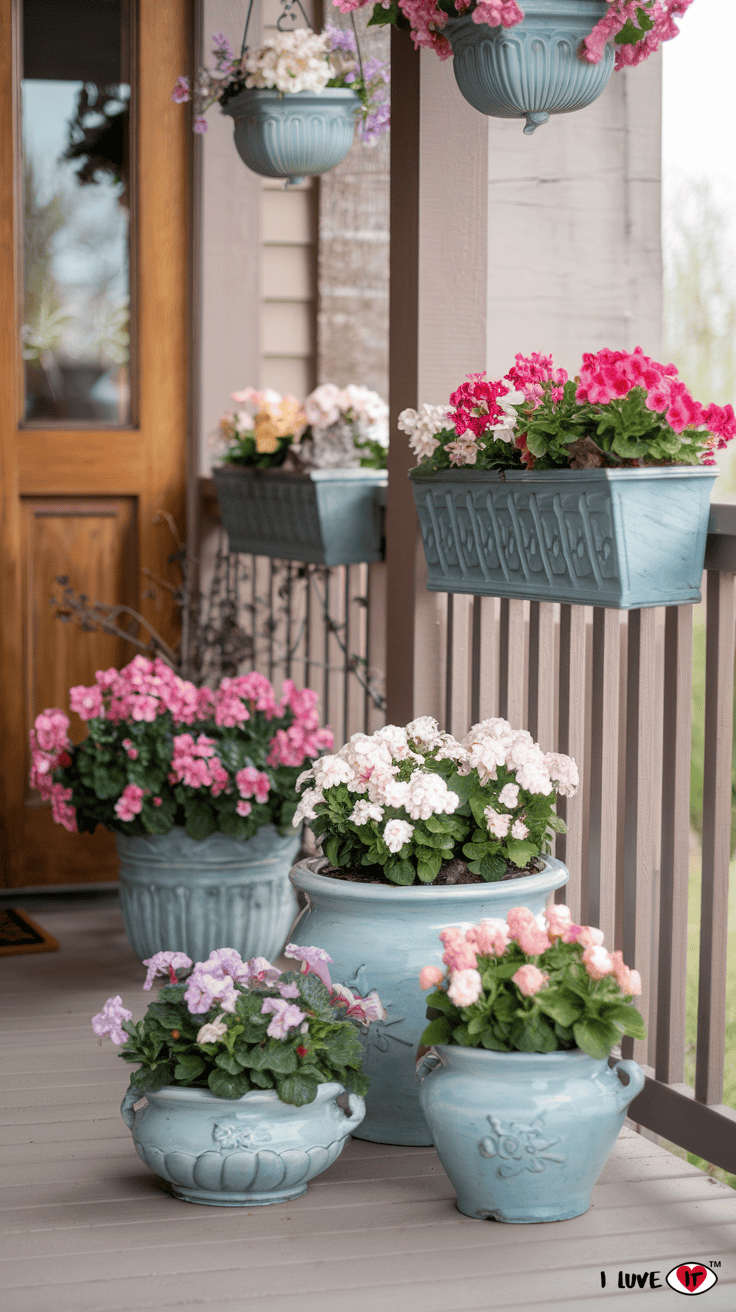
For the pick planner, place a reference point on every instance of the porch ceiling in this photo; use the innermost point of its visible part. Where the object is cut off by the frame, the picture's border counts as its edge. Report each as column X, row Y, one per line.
column 88, row 1228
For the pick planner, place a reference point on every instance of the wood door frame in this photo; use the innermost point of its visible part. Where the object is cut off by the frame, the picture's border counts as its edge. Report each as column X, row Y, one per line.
column 38, row 461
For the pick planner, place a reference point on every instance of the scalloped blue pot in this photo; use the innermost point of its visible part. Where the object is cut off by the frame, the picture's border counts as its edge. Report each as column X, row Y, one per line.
column 524, row 1136
column 622, row 538
column 293, row 136
column 532, row 70
column 379, row 936
column 239, row 1152
column 181, row 895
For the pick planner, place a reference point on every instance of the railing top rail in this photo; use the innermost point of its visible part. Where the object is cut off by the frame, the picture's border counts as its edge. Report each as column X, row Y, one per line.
column 720, row 550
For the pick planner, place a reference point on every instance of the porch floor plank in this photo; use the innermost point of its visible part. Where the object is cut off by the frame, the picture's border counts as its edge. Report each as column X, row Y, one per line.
column 84, row 1222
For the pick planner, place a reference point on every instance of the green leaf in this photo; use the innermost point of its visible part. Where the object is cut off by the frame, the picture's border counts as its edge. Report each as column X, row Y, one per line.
column 261, row 1079
column 460, row 1036
column 557, row 823
column 595, row 1037
column 489, row 1040
column 439, row 1001
column 279, row 1057
column 521, row 851
column 627, row 1016
column 438, row 1031
column 297, row 1089
column 152, row 1078
column 188, row 1067
column 228, row 1086
column 534, row 1034
column 400, row 872
column 342, row 1047
column 227, row 1062
column 563, row 1007
column 493, row 868
column 315, row 994
column 200, row 822
column 428, row 867
column 332, row 850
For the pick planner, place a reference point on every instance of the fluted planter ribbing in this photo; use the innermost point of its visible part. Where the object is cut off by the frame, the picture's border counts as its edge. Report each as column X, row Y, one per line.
column 240, row 1152
column 326, row 517
column 293, row 136
column 379, row 937
column 532, row 70
column 182, row 895
column 621, row 538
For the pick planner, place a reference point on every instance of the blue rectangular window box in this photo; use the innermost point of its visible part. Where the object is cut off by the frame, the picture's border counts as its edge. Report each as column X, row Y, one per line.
column 326, row 517
column 622, row 538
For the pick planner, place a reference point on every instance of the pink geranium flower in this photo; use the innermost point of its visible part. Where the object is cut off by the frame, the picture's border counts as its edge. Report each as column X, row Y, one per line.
column 529, row 979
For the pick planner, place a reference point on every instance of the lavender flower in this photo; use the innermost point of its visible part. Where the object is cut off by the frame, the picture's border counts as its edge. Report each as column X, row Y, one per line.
column 285, row 1018
column 313, row 959
column 166, row 963
column 110, row 1020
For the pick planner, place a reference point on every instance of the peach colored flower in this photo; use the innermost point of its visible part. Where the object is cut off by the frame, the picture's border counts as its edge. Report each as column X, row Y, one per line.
column 489, row 938
column 458, row 954
column 598, row 962
column 629, row 981
column 518, row 918
column 529, row 979
column 589, row 937
column 533, row 940
column 558, row 920
column 430, row 976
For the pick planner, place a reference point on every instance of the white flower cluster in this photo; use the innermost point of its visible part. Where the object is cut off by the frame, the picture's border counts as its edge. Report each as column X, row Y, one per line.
column 290, row 62
column 504, row 432
column 368, row 765
column 329, row 406
column 421, row 427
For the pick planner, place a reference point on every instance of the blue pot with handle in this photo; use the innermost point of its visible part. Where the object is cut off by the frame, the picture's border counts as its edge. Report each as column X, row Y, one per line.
column 239, row 1152
column 524, row 1136
column 379, row 937
column 532, row 70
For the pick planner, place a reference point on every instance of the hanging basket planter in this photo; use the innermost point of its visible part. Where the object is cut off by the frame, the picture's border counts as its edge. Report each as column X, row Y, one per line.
column 293, row 136
column 533, row 70
column 622, row 538
column 326, row 517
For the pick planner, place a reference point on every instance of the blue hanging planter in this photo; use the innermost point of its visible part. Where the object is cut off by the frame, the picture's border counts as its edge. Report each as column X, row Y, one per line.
column 532, row 70
column 293, row 136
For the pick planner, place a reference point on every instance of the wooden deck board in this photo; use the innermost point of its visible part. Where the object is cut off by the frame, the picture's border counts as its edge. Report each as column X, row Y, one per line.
column 86, row 1227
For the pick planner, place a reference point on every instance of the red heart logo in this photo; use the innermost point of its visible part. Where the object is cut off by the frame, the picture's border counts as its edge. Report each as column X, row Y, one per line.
column 692, row 1277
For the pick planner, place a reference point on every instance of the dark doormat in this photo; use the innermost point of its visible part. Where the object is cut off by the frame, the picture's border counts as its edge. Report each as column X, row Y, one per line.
column 18, row 933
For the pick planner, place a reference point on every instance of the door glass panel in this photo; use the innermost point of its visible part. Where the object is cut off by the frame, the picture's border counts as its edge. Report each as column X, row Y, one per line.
column 76, row 211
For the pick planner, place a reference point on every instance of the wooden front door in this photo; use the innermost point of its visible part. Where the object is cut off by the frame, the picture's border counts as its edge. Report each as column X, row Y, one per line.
column 94, row 233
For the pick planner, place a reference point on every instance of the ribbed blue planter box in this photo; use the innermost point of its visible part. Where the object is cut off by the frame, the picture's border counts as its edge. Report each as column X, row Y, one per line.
column 180, row 895
column 532, row 70
column 622, row 538
column 293, row 136
column 328, row 517
column 379, row 936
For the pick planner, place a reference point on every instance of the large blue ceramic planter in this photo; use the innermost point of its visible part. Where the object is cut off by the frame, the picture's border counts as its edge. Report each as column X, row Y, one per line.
column 327, row 517
column 241, row 1152
column 532, row 70
column 293, row 136
column 622, row 538
column 523, row 1136
column 180, row 895
column 379, row 936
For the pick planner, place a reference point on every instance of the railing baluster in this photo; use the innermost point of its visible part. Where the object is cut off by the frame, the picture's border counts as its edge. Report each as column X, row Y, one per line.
column 602, row 802
column 675, row 852
column 541, row 714
column 571, row 739
column 639, row 797
column 475, row 656
column 449, row 659
column 717, row 794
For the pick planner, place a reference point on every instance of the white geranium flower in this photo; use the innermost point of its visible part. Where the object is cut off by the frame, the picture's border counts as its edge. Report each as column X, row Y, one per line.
column 396, row 834
column 364, row 811
column 504, row 432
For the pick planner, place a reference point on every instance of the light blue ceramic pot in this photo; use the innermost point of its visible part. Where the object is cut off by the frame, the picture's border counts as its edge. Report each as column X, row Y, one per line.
column 532, row 70
column 241, row 1152
column 622, row 538
column 524, row 1136
column 293, row 136
column 379, row 936
column 180, row 895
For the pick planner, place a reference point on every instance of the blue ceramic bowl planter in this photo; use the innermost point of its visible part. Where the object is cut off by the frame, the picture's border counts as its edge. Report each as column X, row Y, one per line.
column 532, row 70
column 379, row 936
column 621, row 538
column 241, row 1152
column 327, row 517
column 293, row 136
column 182, row 895
column 524, row 1136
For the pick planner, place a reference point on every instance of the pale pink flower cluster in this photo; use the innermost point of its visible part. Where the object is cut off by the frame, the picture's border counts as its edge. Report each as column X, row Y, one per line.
column 166, row 963
column 62, row 812
column 49, row 743
column 289, row 62
column 396, row 834
column 621, row 12
column 422, row 427
column 360, row 406
column 285, row 1017
column 253, row 783
column 109, row 1021
column 365, row 1010
column 213, row 1031
column 465, row 987
column 130, row 802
